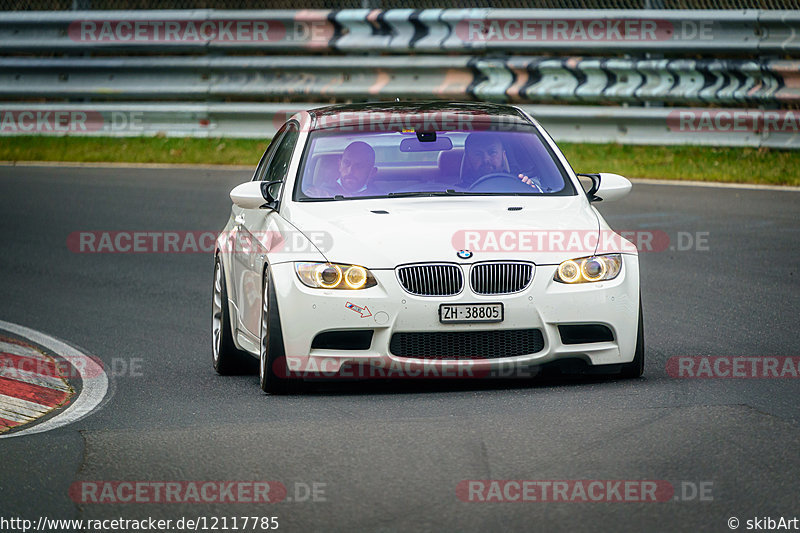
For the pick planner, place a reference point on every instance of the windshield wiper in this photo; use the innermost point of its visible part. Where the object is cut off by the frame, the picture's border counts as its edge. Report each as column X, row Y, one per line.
column 448, row 192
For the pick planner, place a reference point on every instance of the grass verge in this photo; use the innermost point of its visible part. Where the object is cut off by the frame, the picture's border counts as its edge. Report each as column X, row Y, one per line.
column 738, row 165
column 170, row 150
column 700, row 163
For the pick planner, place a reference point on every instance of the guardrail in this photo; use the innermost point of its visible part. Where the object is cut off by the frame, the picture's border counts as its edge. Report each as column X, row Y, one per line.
column 211, row 72
column 514, row 79
column 405, row 31
column 697, row 126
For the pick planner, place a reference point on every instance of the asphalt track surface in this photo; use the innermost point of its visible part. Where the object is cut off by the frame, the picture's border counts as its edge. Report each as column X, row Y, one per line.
column 392, row 455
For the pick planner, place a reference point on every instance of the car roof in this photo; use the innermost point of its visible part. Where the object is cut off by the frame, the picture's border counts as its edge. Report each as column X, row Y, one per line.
column 338, row 115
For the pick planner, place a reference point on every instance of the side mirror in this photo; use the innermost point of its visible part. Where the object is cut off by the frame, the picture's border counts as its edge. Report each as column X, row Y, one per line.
column 253, row 194
column 608, row 187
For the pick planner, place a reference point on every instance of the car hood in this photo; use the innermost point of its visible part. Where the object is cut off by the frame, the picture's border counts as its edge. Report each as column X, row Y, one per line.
column 384, row 233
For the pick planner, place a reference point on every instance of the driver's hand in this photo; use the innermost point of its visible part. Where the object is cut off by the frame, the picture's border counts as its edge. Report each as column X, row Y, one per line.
column 529, row 181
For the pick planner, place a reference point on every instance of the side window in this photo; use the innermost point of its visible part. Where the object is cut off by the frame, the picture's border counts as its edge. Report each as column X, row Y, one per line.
column 264, row 163
column 279, row 165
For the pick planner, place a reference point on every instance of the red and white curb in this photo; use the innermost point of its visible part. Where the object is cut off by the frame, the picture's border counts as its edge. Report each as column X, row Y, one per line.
column 32, row 384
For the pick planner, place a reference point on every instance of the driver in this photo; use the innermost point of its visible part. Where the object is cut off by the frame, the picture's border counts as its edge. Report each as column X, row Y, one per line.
column 483, row 155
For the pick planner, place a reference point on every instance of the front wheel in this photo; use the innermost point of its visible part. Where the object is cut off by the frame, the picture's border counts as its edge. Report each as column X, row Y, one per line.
column 226, row 357
column 635, row 368
column 272, row 368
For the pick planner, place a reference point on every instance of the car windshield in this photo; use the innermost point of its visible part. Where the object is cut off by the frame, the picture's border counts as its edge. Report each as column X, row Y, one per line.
column 343, row 165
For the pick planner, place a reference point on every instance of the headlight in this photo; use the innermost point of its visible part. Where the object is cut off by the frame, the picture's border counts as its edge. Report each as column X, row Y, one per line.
column 589, row 269
column 334, row 276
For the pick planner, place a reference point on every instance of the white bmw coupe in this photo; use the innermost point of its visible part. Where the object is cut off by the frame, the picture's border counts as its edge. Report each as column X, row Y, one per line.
column 422, row 240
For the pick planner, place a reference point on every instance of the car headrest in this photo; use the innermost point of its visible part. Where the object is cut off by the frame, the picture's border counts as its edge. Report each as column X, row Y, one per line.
column 450, row 164
column 326, row 169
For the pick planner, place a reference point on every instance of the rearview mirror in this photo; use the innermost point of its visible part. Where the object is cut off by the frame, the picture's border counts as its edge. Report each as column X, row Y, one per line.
column 607, row 187
column 414, row 144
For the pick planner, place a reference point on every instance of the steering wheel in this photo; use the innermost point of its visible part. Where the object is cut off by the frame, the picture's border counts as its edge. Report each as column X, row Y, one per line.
column 498, row 176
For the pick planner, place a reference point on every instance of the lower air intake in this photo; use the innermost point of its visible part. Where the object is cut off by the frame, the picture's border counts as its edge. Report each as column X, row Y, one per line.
column 467, row 344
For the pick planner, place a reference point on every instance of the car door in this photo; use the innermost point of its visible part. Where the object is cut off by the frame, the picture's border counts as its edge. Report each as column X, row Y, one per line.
column 258, row 231
column 240, row 257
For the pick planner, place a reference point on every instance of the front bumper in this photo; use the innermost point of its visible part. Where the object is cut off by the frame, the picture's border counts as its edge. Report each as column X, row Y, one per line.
column 388, row 308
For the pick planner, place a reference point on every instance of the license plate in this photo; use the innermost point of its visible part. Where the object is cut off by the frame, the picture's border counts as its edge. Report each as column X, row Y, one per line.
column 453, row 313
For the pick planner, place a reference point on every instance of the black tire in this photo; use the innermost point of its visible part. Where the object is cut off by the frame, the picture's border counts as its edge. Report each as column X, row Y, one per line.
column 635, row 368
column 272, row 357
column 226, row 357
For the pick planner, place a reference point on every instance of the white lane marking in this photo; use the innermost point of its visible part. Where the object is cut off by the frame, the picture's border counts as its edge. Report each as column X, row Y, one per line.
column 24, row 351
column 20, row 410
column 95, row 380
column 720, row 184
column 43, row 380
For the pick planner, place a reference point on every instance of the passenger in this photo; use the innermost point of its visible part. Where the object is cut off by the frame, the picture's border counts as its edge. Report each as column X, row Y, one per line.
column 356, row 170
